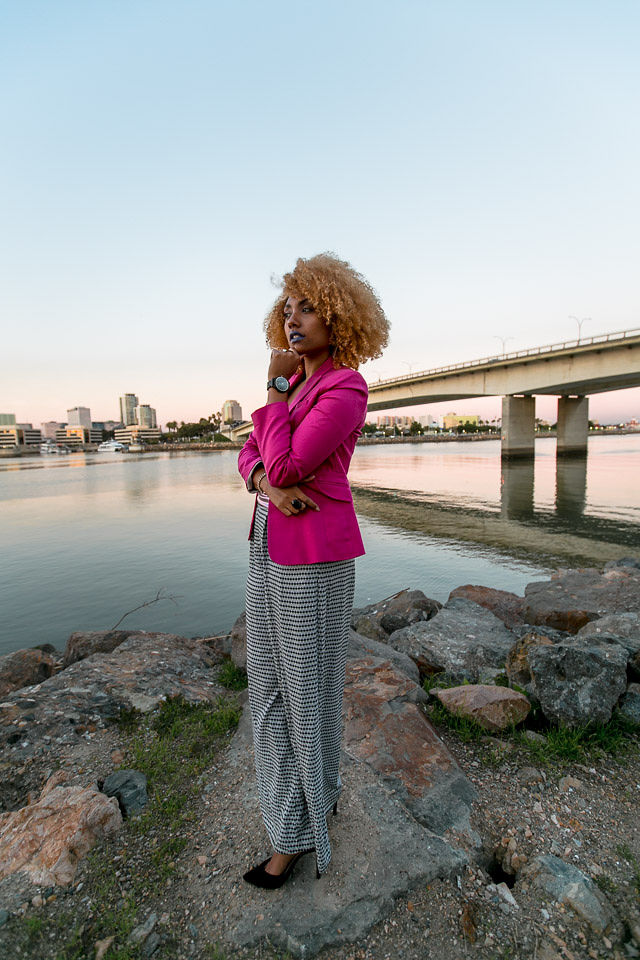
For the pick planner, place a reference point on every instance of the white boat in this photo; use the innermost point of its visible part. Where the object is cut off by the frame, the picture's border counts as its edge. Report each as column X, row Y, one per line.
column 50, row 446
column 112, row 446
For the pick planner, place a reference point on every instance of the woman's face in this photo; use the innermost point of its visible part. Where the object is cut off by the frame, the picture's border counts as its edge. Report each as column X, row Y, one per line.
column 306, row 333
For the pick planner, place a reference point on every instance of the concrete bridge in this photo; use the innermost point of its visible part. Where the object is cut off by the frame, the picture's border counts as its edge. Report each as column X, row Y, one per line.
column 572, row 370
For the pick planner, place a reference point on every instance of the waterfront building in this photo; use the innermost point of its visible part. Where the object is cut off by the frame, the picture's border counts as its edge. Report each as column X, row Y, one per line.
column 49, row 429
column 231, row 412
column 128, row 404
column 145, row 416
column 451, row 421
column 14, row 434
column 79, row 417
column 136, row 434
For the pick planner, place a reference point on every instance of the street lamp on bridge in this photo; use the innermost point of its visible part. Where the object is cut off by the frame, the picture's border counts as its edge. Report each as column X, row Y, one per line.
column 579, row 322
column 503, row 341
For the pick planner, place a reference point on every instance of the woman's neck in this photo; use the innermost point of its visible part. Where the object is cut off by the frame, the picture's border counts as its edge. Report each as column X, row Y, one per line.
column 311, row 364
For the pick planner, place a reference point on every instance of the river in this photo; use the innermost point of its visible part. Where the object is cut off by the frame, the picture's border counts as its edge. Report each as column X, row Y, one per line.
column 88, row 537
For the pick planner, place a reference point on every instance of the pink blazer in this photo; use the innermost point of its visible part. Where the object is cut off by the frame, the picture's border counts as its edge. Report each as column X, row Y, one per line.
column 315, row 435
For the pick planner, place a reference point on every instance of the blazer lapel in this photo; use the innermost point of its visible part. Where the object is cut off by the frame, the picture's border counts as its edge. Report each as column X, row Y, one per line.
column 313, row 379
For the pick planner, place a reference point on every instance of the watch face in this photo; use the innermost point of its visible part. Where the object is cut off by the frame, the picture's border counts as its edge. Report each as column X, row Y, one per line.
column 281, row 384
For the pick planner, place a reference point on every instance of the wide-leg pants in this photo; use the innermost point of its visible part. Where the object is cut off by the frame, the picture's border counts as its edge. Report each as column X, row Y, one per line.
column 297, row 636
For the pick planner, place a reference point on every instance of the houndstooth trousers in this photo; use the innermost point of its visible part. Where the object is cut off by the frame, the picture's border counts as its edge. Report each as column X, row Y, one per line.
column 297, row 636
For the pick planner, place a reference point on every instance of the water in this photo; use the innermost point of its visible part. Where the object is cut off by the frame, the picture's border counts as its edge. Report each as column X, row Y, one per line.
column 87, row 538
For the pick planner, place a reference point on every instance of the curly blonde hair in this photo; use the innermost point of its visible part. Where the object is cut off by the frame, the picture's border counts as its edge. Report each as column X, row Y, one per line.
column 359, row 329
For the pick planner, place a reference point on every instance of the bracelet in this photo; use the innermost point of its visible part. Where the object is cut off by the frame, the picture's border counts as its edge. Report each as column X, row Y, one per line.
column 262, row 476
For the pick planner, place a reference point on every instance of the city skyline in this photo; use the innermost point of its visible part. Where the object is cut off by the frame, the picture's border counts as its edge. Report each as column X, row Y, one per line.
column 478, row 164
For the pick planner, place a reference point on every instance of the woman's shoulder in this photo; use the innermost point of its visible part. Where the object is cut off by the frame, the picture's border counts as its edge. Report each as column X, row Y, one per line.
column 345, row 376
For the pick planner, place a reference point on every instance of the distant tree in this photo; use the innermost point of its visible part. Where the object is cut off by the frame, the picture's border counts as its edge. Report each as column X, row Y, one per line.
column 415, row 428
column 369, row 428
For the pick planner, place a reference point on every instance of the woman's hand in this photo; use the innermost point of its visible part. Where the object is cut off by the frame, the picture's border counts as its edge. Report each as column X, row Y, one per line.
column 283, row 363
column 283, row 497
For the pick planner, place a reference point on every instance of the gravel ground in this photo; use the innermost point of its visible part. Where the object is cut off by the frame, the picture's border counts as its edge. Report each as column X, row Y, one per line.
column 586, row 815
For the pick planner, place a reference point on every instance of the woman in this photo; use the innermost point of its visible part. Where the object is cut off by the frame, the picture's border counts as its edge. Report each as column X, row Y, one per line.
column 304, row 540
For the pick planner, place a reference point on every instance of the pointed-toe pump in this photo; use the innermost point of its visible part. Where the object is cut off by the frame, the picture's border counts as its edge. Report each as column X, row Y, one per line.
column 259, row 877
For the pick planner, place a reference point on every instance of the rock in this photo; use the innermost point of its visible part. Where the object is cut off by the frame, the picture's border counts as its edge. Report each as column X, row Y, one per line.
column 576, row 684
column 385, row 728
column 130, row 789
column 378, row 620
column 83, row 643
column 517, row 663
column 239, row 641
column 140, row 933
column 569, row 783
column 506, row 895
column 624, row 562
column 529, row 775
column 572, row 598
column 508, row 607
column 630, row 703
column 140, row 673
column 464, row 640
column 24, row 668
column 567, row 884
column 101, row 947
column 493, row 708
column 47, row 839
column 380, row 853
column 622, row 628
column 360, row 647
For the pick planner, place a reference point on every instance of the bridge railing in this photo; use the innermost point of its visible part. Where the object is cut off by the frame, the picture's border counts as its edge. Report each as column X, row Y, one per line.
column 515, row 355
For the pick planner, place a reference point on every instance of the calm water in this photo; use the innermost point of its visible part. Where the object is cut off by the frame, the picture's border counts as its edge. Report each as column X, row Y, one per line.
column 86, row 538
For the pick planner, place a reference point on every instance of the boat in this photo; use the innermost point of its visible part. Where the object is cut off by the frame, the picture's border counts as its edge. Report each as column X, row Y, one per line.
column 50, row 446
column 112, row 446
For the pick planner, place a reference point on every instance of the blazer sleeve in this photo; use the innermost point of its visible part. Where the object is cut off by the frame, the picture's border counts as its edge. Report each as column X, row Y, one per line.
column 248, row 459
column 291, row 455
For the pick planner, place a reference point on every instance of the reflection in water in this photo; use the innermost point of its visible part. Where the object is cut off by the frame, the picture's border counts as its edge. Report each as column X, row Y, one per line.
column 516, row 489
column 571, row 486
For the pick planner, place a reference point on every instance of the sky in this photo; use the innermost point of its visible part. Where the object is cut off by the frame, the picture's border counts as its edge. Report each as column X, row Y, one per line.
column 163, row 161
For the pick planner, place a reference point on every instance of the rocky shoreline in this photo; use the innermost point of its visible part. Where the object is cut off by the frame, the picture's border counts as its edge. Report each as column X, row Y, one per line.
column 458, row 826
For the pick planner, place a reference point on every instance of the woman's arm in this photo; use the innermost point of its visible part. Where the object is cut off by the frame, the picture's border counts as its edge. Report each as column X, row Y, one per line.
column 291, row 455
column 248, row 459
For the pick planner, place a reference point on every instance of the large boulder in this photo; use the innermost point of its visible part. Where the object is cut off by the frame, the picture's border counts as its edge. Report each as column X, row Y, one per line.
column 47, row 839
column 378, row 620
column 508, row 607
column 463, row 640
column 573, row 598
column 493, row 708
column 24, row 668
column 385, row 728
column 360, row 647
column 578, row 682
column 85, row 642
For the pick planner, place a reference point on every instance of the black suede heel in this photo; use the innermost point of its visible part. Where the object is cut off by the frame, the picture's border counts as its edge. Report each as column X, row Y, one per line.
column 259, row 877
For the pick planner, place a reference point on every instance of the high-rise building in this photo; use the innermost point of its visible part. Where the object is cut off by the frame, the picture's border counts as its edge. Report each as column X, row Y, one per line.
column 49, row 429
column 231, row 410
column 146, row 416
column 128, row 404
column 7, row 419
column 79, row 417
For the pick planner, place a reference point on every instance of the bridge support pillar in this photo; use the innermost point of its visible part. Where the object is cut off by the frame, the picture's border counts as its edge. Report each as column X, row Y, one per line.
column 518, row 426
column 573, row 426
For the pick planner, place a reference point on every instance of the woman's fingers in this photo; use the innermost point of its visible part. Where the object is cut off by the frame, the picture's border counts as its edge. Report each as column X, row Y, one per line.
column 309, row 502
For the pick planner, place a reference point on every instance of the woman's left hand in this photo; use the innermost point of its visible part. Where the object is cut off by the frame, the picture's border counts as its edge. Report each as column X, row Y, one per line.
column 284, row 498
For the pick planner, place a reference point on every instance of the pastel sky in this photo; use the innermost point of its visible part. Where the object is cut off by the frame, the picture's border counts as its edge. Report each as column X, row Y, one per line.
column 161, row 161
